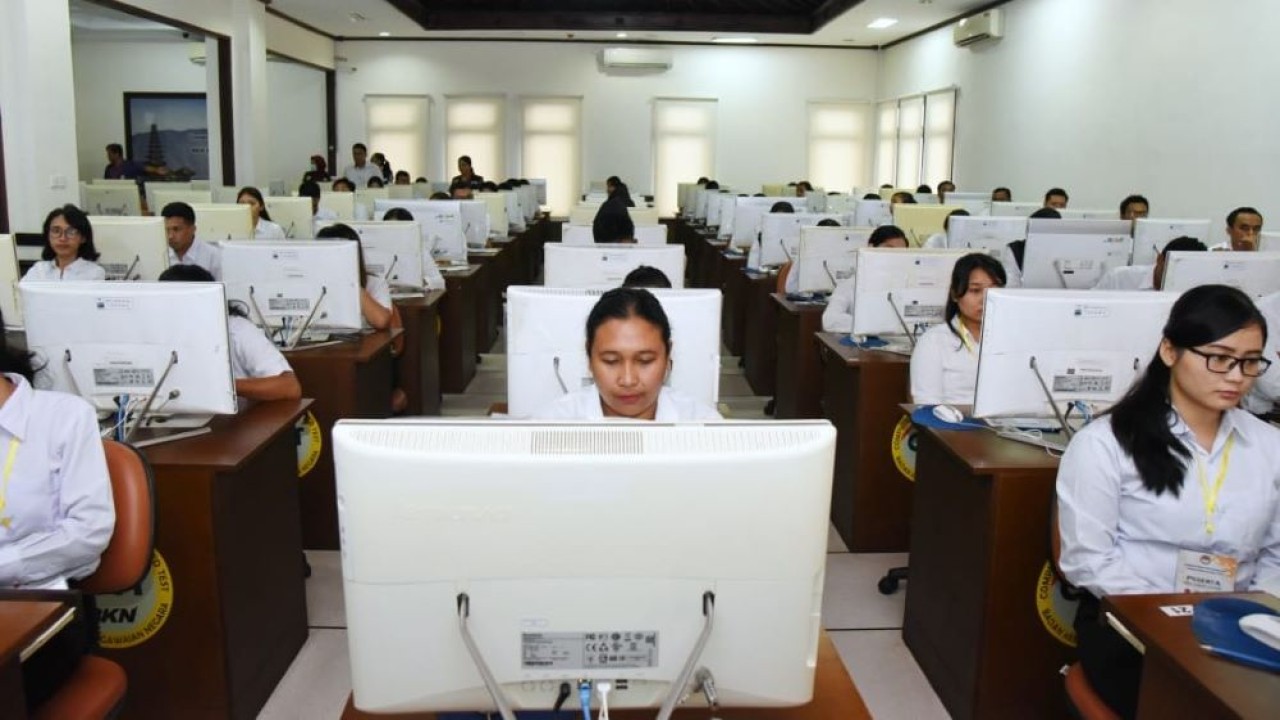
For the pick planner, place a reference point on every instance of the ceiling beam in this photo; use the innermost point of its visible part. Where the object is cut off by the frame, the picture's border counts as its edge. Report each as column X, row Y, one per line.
column 651, row 21
column 830, row 10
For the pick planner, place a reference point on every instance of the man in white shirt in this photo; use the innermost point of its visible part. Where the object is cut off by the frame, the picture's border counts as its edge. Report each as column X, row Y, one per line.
column 1244, row 227
column 184, row 248
column 360, row 173
column 1147, row 277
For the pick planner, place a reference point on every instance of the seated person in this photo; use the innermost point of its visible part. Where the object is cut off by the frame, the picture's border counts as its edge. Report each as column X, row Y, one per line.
column 184, row 247
column 838, row 317
column 902, row 196
column 1056, row 198
column 1134, row 207
column 58, row 513
column 1244, row 229
column 1002, row 194
column 430, row 271
column 924, row 190
column 944, row 364
column 1173, row 476
column 68, row 252
column 375, row 182
column 1018, row 248
column 753, row 255
column 938, row 241
column 791, row 279
column 944, row 187
column 263, row 227
column 628, row 340
column 342, row 185
column 310, row 189
column 375, row 295
column 1147, row 277
column 402, row 177
column 646, row 277
column 259, row 368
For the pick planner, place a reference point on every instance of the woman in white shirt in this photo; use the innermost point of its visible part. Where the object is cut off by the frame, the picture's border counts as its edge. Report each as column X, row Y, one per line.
column 260, row 370
column 68, row 252
column 1175, row 477
column 938, row 241
column 629, row 354
column 838, row 317
column 375, row 296
column 263, row 228
column 430, row 271
column 944, row 364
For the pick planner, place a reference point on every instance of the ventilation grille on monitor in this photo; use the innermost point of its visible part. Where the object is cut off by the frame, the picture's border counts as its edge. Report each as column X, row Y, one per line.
column 586, row 442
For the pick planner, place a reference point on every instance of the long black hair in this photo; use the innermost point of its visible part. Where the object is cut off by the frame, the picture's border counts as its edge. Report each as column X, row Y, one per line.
column 624, row 303
column 960, row 281
column 256, row 194
column 14, row 361
column 884, row 234
column 1140, row 421
column 75, row 218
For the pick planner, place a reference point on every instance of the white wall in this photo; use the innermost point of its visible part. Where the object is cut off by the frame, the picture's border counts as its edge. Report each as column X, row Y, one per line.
column 762, row 94
column 296, row 124
column 1170, row 98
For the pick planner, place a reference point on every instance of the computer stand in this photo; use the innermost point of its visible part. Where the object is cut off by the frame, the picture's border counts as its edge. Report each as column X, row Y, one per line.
column 490, row 682
column 1048, row 396
column 906, row 330
column 677, row 693
column 291, row 339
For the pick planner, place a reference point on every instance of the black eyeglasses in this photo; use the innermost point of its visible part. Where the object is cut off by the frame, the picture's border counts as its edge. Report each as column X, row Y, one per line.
column 1223, row 364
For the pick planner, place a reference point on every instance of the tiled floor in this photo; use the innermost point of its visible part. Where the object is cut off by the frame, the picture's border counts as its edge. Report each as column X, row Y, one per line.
column 864, row 625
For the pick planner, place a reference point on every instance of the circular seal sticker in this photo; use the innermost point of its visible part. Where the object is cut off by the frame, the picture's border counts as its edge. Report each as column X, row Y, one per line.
column 309, row 442
column 1056, row 612
column 904, row 447
column 135, row 616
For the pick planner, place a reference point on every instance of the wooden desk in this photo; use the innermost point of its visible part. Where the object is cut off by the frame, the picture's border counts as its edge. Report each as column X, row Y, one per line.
column 1179, row 679
column 349, row 380
column 979, row 543
column 488, row 297
column 733, row 315
column 760, row 349
column 458, row 336
column 419, row 364
column 227, row 529
column 861, row 392
column 799, row 383
column 21, row 622
column 834, row 698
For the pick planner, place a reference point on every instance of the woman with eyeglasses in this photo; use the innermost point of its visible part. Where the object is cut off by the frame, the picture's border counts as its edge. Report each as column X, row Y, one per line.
column 1177, row 489
column 68, row 252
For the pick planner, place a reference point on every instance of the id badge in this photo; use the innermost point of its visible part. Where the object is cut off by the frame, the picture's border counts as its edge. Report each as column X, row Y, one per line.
column 1202, row 572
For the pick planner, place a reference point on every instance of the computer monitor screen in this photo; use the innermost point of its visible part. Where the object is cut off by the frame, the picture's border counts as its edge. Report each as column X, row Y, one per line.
column 475, row 222
column 1255, row 273
column 495, row 205
column 715, row 209
column 1267, row 241
column 222, row 194
column 990, row 234
column 975, row 203
column 888, row 193
column 684, row 196
column 1010, row 209
column 400, row 192
column 151, row 186
column 10, row 304
column 1073, row 254
column 441, row 225
column 577, row 235
column 651, row 234
column 728, row 202
column 393, row 251
column 840, row 204
column 605, row 266
column 516, row 216
column 1150, row 235
column 901, row 292
column 872, row 213
column 540, row 186
column 777, row 189
column 920, row 222
column 1084, row 214
column 747, row 216
column 1086, row 347
column 729, row 517
column 112, row 199
column 826, row 256
column 703, row 197
column 293, row 214
column 100, row 340
column 283, row 283
column 546, row 344
column 223, row 222
column 780, row 234
column 342, row 204
column 130, row 248
column 166, row 193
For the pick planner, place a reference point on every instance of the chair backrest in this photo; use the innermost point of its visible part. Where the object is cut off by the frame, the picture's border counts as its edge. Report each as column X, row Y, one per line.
column 783, row 272
column 127, row 558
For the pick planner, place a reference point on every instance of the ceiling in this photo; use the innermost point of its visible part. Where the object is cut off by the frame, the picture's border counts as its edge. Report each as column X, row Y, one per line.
column 89, row 21
column 840, row 23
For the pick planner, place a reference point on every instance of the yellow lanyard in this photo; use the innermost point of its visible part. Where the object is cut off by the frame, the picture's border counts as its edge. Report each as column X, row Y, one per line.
column 1211, row 494
column 967, row 338
column 4, row 482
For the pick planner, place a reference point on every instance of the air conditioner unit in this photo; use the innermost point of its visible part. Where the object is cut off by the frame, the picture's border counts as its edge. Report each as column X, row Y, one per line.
column 635, row 58
column 984, row 26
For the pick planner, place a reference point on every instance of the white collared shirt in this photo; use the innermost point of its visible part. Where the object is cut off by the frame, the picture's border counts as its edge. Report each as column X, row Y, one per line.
column 944, row 368
column 267, row 230
column 323, row 216
column 380, row 291
column 1120, row 538
column 253, row 355
column 200, row 253
column 79, row 270
column 1266, row 389
column 360, row 176
column 838, row 317
column 936, row 241
column 585, row 404
column 1129, row 277
column 59, row 493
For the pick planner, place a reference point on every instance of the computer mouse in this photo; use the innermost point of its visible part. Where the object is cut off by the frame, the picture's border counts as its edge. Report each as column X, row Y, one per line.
column 1262, row 627
column 946, row 413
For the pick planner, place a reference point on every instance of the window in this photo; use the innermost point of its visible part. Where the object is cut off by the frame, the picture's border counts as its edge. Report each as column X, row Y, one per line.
column 916, row 139
column 552, row 148
column 838, row 140
column 397, row 128
column 474, row 126
column 684, row 143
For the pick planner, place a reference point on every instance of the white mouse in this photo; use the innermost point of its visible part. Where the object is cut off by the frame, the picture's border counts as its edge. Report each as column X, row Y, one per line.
column 946, row 413
column 1262, row 627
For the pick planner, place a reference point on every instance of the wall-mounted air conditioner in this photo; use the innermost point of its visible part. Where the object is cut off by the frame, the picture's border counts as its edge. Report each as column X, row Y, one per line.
column 636, row 58
column 983, row 26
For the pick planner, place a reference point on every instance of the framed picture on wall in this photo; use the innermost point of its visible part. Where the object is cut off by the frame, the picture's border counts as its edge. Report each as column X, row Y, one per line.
column 168, row 134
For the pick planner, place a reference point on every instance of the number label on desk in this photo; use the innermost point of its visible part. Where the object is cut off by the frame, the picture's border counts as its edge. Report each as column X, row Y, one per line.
column 588, row 650
column 1178, row 610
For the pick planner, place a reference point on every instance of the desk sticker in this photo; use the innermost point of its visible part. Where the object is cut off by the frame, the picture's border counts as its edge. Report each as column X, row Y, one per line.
column 903, row 447
column 135, row 616
column 1057, row 613
column 309, row 442
column 1178, row 610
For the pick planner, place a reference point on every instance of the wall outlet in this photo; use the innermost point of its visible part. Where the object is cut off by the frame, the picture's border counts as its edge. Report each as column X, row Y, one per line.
column 57, row 182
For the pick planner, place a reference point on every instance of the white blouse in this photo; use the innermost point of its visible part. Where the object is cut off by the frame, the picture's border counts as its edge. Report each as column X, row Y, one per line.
column 79, row 270
column 944, row 368
column 838, row 317
column 253, row 355
column 58, row 514
column 206, row 255
column 1120, row 538
column 267, row 230
column 585, row 404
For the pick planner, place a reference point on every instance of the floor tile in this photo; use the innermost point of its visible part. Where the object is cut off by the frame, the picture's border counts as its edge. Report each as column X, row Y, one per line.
column 851, row 600
column 887, row 676
column 317, row 684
